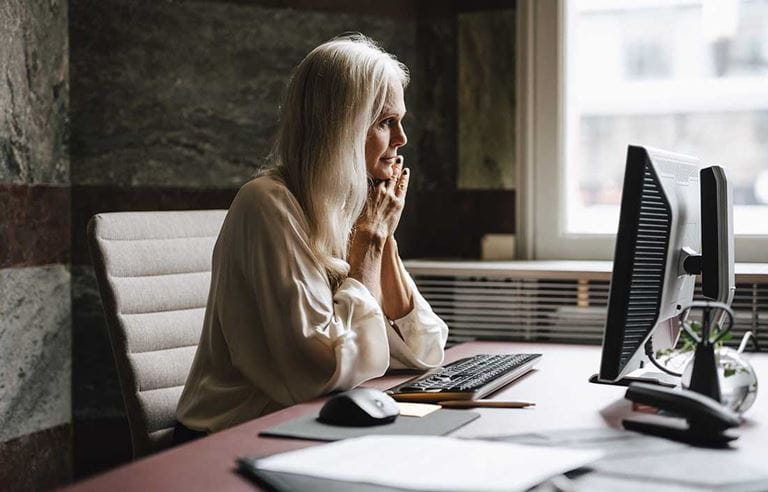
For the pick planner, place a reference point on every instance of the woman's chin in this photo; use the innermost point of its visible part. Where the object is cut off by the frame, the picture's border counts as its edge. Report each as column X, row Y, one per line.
column 382, row 174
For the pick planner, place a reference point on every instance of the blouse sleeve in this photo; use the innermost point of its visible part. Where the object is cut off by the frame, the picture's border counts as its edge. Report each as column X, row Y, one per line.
column 423, row 334
column 316, row 341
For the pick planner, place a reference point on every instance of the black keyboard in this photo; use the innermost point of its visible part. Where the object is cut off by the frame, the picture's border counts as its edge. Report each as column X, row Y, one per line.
column 465, row 379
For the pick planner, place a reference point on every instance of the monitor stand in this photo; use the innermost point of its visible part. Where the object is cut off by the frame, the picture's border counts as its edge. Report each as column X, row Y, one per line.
column 640, row 376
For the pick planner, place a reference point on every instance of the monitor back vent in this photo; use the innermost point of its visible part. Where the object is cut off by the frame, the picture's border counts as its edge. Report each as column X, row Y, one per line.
column 644, row 297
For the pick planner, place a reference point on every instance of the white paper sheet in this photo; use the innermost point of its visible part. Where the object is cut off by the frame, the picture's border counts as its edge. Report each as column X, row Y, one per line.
column 431, row 463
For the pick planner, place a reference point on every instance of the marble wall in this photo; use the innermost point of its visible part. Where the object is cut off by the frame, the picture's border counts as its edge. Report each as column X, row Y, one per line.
column 35, row 321
column 486, row 97
column 33, row 92
column 35, row 373
column 207, row 118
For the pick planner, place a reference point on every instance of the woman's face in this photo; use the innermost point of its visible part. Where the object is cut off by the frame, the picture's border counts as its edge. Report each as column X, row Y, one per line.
column 386, row 136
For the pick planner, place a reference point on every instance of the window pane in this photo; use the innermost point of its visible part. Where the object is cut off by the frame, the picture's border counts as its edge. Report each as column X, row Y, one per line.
column 681, row 75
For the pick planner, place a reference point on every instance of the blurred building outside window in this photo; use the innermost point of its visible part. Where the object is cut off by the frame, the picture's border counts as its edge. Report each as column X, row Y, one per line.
column 688, row 76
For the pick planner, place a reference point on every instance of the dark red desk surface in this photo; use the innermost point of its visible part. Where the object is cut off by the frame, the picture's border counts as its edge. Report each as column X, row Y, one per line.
column 558, row 386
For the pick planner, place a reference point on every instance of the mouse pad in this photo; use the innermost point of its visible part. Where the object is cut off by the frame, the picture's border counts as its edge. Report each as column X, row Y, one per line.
column 436, row 423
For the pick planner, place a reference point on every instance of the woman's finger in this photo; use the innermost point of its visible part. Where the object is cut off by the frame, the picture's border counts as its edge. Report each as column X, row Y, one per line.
column 391, row 184
column 402, row 184
column 397, row 169
column 383, row 187
column 397, row 173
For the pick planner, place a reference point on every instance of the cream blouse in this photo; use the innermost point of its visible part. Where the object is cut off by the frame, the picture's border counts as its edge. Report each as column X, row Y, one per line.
column 274, row 332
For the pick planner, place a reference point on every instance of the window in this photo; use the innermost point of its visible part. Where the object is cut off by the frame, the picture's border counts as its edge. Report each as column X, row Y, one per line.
column 689, row 76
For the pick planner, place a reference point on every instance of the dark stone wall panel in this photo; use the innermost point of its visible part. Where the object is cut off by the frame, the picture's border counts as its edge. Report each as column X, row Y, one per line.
column 450, row 224
column 407, row 9
column 486, row 100
column 187, row 93
column 37, row 461
column 102, row 436
column 33, row 92
column 97, row 392
column 99, row 445
column 432, row 97
column 395, row 8
column 34, row 225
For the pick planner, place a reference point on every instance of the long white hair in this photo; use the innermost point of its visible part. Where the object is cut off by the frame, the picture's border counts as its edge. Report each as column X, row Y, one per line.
column 334, row 96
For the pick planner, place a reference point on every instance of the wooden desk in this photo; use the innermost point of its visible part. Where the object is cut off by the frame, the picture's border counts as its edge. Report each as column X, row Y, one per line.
column 564, row 399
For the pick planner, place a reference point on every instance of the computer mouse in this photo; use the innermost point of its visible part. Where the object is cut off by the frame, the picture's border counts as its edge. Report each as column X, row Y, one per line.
column 360, row 407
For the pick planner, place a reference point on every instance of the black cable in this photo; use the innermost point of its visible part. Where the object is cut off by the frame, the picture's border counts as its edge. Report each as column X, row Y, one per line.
column 652, row 358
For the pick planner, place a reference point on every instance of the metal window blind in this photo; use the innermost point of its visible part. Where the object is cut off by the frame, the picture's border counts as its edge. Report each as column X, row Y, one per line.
column 553, row 306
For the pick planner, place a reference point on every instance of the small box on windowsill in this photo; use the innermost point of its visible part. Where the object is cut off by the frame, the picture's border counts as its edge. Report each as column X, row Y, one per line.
column 497, row 247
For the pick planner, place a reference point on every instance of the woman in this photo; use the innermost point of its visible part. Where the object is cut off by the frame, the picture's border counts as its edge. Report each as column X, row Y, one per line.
column 308, row 293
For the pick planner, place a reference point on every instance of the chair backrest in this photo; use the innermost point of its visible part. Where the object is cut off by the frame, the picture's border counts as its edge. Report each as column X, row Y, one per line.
column 154, row 271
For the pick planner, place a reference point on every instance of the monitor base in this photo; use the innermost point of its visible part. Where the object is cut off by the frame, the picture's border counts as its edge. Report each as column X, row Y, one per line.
column 647, row 377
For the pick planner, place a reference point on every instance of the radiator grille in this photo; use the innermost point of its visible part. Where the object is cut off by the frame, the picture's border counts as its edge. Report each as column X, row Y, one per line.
column 570, row 310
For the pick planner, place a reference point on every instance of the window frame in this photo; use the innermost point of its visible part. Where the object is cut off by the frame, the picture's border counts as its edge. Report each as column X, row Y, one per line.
column 541, row 124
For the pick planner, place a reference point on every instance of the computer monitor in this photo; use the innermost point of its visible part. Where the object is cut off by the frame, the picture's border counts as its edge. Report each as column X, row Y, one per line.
column 656, row 258
column 718, row 279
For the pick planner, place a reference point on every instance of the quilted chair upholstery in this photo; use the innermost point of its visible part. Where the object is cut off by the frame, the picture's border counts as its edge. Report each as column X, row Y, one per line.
column 154, row 271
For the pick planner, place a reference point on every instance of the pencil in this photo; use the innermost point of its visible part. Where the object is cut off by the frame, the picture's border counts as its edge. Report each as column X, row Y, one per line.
column 484, row 403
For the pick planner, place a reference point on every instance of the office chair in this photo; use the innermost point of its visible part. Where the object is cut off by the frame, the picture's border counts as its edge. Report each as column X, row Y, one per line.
column 153, row 270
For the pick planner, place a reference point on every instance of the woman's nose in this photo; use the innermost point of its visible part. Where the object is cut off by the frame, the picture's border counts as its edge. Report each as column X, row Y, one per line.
column 399, row 139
